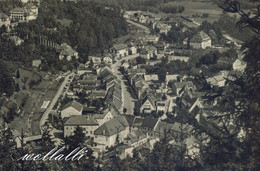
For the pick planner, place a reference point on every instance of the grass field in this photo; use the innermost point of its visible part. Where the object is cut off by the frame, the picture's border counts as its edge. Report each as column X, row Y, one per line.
column 199, row 7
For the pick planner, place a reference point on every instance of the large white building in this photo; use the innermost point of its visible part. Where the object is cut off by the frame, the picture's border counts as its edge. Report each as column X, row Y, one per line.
column 200, row 41
column 88, row 125
column 111, row 132
column 27, row 13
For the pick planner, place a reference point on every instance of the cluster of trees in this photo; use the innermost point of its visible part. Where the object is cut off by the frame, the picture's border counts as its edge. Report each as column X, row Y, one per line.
column 213, row 30
column 173, row 67
column 6, row 80
column 208, row 62
column 91, row 27
column 8, row 5
column 229, row 24
column 210, row 58
column 177, row 35
column 172, row 9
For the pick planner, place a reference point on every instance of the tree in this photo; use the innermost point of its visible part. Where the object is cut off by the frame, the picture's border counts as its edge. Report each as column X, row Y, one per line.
column 239, row 104
column 18, row 74
column 6, row 81
column 46, row 145
column 125, row 110
column 7, row 149
column 78, row 140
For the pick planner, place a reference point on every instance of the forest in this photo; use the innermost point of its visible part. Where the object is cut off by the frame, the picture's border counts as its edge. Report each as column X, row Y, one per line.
column 92, row 29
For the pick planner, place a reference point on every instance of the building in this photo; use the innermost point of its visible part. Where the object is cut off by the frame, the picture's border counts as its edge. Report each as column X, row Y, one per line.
column 219, row 79
column 151, row 78
column 180, row 58
column 96, row 60
column 18, row 14
column 4, row 19
column 71, row 108
column 163, row 27
column 32, row 11
column 119, row 50
column 36, row 63
column 148, row 104
column 87, row 123
column 179, row 86
column 108, row 60
column 148, row 52
column 111, row 132
column 172, row 77
column 66, row 52
column 239, row 65
column 200, row 41
column 27, row 13
column 149, row 124
column 107, row 115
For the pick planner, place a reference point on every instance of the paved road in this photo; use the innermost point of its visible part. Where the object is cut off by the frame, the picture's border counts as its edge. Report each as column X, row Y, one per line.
column 127, row 99
column 54, row 100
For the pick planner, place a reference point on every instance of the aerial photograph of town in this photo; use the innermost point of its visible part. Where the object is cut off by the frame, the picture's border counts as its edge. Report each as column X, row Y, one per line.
column 129, row 85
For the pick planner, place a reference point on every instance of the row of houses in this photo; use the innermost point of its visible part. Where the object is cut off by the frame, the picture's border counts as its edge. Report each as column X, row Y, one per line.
column 110, row 129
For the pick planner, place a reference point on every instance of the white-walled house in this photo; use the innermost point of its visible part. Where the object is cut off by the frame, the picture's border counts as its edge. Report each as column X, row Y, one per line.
column 239, row 65
column 66, row 52
column 147, row 104
column 200, row 41
column 87, row 123
column 71, row 108
column 119, row 50
column 111, row 132
column 4, row 19
column 107, row 115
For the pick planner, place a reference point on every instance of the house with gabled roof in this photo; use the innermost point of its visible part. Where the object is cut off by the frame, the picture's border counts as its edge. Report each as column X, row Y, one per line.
column 96, row 60
column 87, row 123
column 108, row 114
column 171, row 77
column 136, row 138
column 151, row 77
column 140, row 87
column 137, row 123
column 190, row 102
column 178, row 86
column 149, row 124
column 4, row 19
column 111, row 132
column 239, row 65
column 71, row 108
column 180, row 58
column 119, row 50
column 200, row 41
column 66, row 52
column 148, row 104
column 148, row 52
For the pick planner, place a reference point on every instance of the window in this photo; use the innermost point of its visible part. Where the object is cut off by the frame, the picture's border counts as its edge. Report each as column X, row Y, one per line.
column 86, row 132
column 90, row 132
